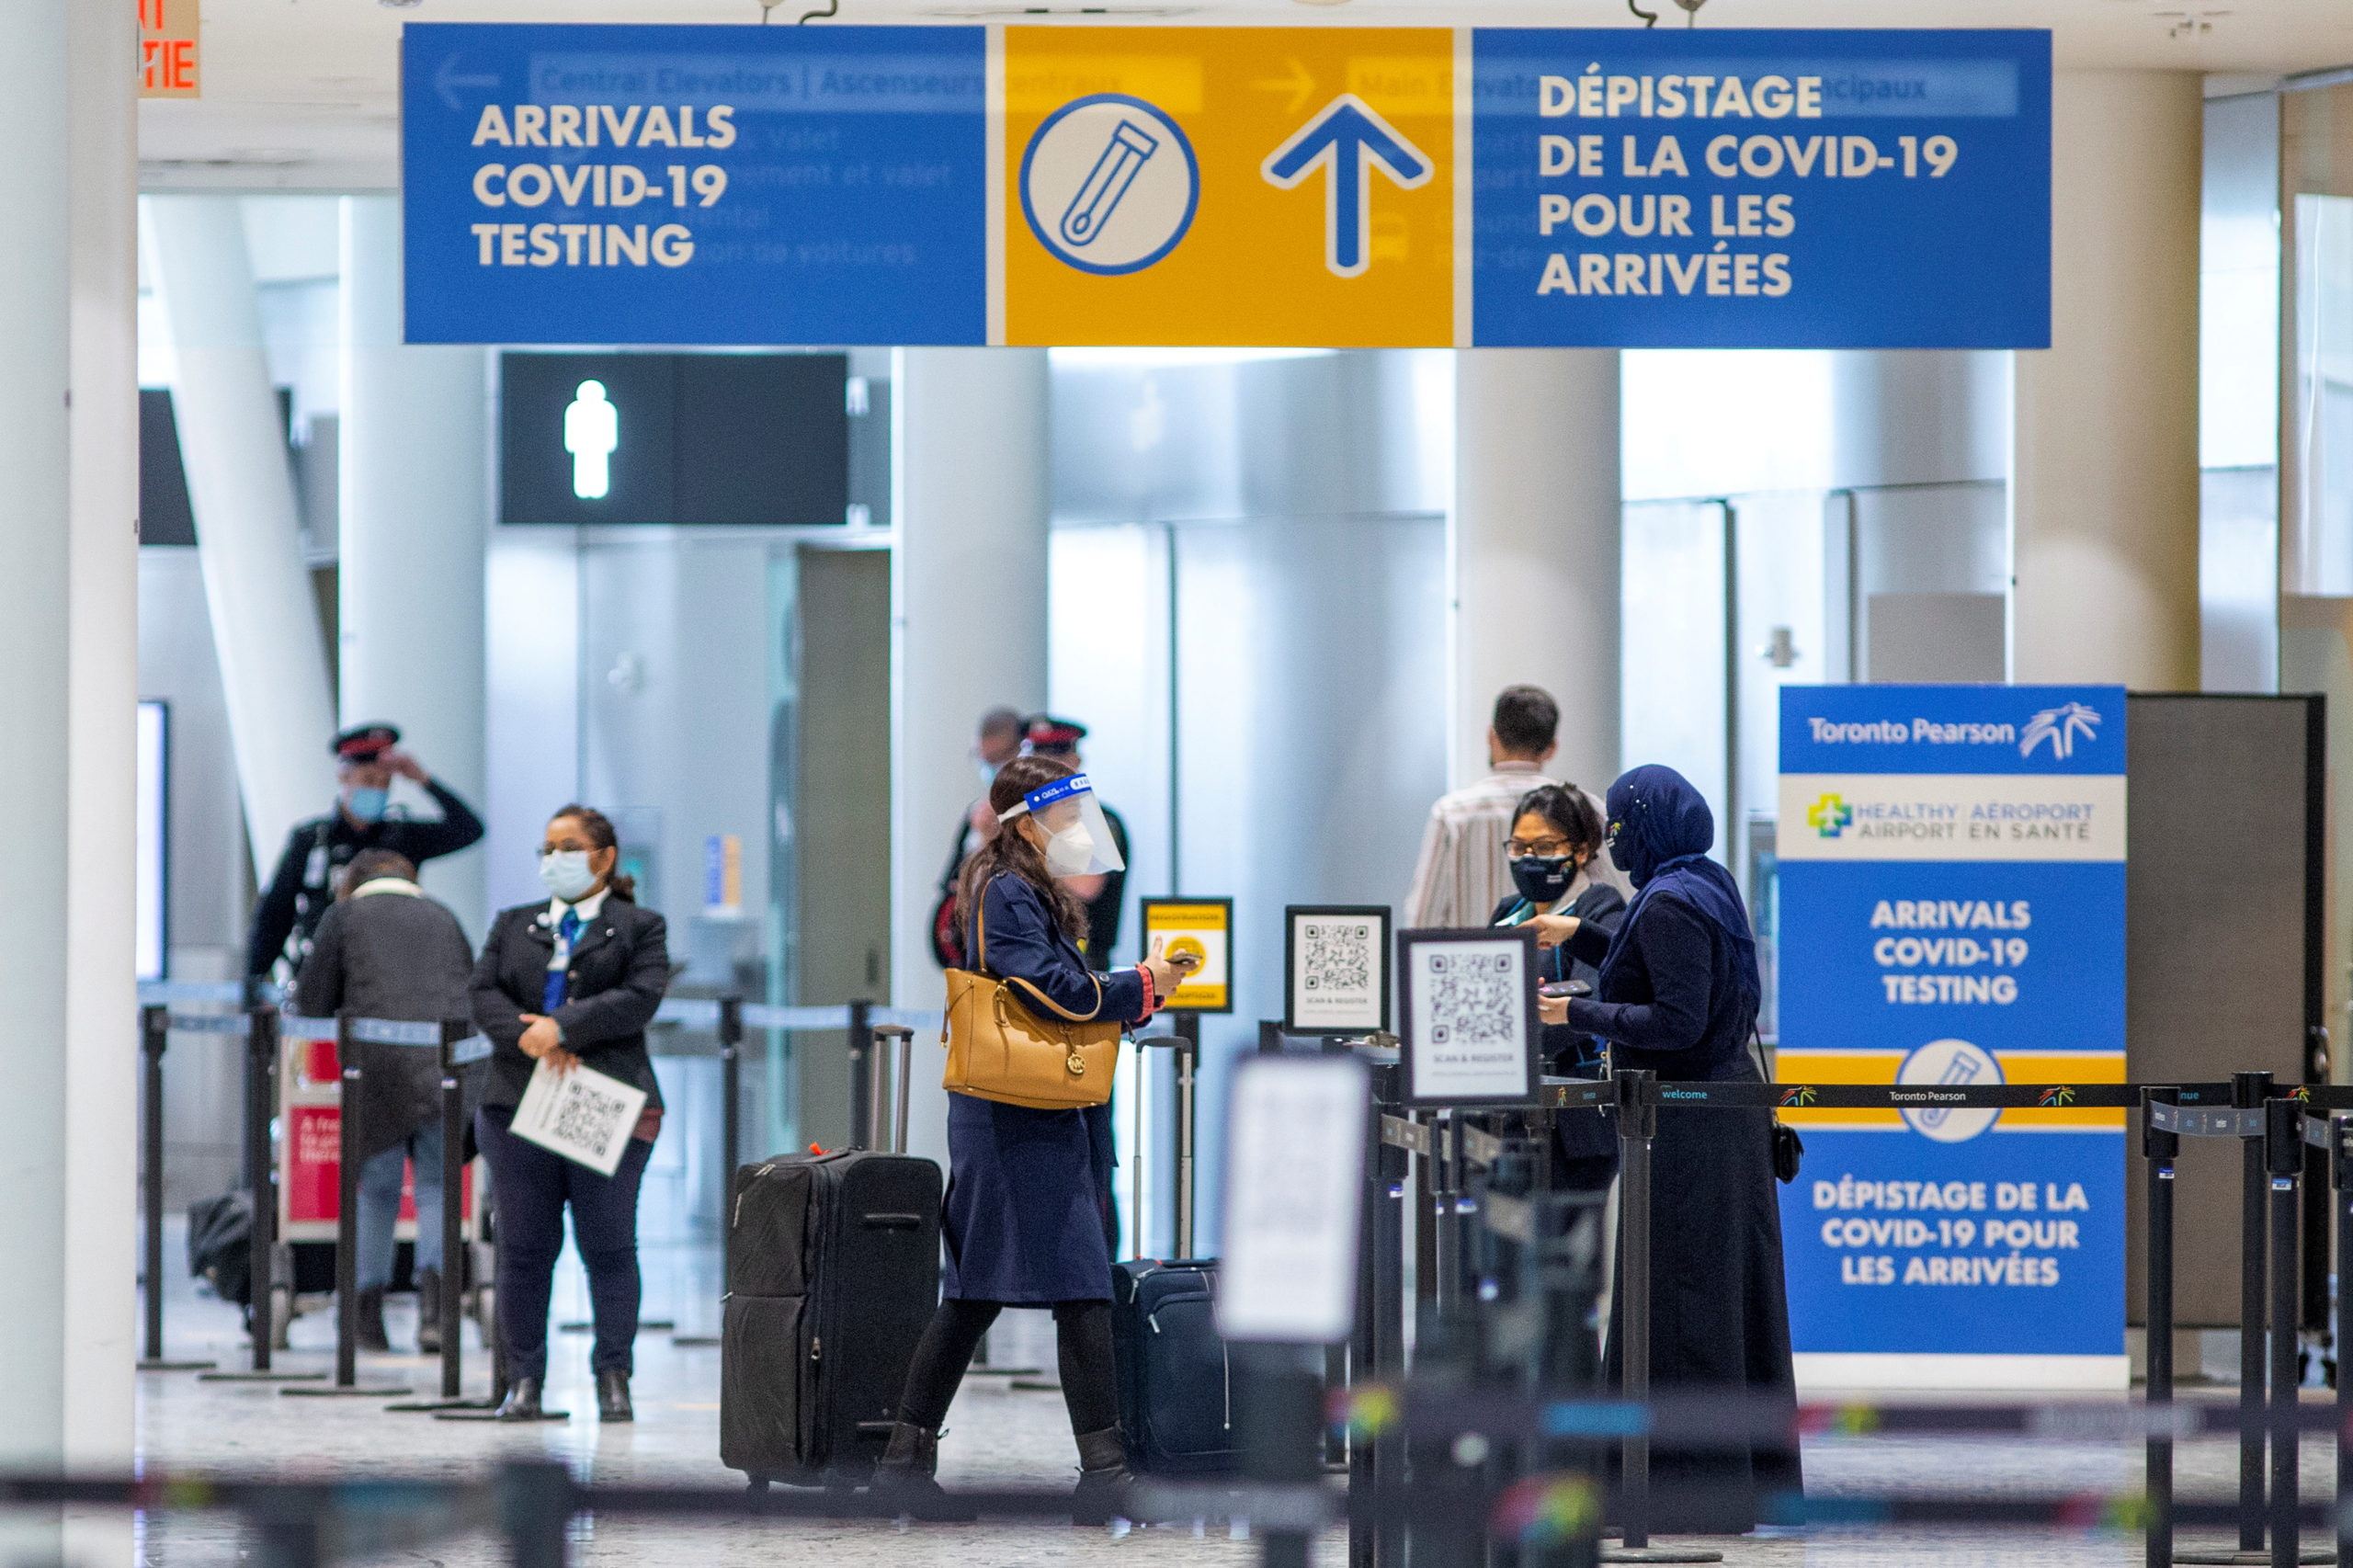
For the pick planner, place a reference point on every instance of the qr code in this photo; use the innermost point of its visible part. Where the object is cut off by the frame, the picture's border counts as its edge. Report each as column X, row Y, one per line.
column 1473, row 998
column 1338, row 956
column 585, row 1118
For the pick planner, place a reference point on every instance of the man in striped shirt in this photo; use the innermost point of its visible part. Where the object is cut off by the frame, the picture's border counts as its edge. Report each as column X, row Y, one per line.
column 1461, row 876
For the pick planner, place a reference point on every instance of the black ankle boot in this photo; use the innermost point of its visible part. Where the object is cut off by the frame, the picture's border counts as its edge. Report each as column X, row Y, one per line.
column 1103, row 1477
column 368, row 1310
column 612, row 1396
column 522, row 1402
column 906, row 1475
column 428, row 1310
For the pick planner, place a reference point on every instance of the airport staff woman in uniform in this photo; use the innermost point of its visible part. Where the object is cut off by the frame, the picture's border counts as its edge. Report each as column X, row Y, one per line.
column 1678, row 994
column 1030, row 1191
column 569, row 981
column 1555, row 834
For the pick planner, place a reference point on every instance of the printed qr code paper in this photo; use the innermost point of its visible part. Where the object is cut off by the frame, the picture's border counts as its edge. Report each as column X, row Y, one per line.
column 1339, row 979
column 584, row 1115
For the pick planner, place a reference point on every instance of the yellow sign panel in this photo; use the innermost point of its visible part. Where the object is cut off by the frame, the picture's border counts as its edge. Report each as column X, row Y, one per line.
column 1201, row 929
column 1174, row 186
column 168, row 50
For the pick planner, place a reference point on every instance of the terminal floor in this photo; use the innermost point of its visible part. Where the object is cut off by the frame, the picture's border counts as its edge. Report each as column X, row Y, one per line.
column 997, row 1433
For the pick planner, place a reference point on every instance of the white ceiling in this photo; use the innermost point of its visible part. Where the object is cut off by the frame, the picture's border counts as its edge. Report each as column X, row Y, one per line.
column 300, row 95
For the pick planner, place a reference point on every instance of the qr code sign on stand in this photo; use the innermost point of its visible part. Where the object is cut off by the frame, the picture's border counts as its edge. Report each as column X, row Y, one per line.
column 587, row 1119
column 1338, row 956
column 1473, row 999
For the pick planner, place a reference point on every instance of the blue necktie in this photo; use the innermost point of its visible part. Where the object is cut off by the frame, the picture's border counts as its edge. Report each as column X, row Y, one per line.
column 567, row 932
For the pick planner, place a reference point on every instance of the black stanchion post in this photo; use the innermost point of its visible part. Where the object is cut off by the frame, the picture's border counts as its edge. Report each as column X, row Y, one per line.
column 2340, row 1181
column 346, row 1207
column 2248, row 1092
column 2158, row 1150
column 861, row 1076
column 2283, row 1150
column 1280, row 1444
column 535, row 1502
column 261, row 1164
column 1637, row 1125
column 154, row 1023
column 1391, row 1165
column 451, row 1217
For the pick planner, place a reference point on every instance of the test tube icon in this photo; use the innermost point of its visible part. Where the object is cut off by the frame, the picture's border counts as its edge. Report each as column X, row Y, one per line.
column 1960, row 1070
column 1114, row 170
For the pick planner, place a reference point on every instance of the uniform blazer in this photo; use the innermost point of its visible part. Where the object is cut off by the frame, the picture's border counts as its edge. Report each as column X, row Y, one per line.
column 392, row 955
column 620, row 967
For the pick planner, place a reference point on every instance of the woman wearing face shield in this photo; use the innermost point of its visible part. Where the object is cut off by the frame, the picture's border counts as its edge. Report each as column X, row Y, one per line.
column 1678, row 994
column 1555, row 834
column 1028, row 1216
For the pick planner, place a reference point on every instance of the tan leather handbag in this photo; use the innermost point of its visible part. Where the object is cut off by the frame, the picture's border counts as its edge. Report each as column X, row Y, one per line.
column 1019, row 1048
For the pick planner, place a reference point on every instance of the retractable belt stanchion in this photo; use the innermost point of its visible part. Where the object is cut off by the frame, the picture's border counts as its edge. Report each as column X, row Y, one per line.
column 261, row 1179
column 2248, row 1091
column 1387, row 1361
column 154, row 1028
column 1637, row 1125
column 452, row 1222
column 348, row 1119
column 2340, row 1182
column 2159, row 1147
column 2283, row 1150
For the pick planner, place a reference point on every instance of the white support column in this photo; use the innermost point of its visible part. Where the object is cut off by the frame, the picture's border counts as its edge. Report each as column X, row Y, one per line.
column 1535, row 547
column 265, row 620
column 99, row 1289
column 2104, row 472
column 412, row 526
column 36, row 190
column 968, row 449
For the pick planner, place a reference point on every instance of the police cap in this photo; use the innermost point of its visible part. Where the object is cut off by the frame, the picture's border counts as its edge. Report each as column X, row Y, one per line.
column 1044, row 736
column 365, row 743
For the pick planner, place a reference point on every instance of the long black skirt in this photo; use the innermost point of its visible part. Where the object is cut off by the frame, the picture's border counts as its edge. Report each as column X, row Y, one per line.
column 1720, row 1313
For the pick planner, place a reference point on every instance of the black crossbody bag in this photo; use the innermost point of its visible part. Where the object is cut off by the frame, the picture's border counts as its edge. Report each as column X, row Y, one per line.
column 1788, row 1149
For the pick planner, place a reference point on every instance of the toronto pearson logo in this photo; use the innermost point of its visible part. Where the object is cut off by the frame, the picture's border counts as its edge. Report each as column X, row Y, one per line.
column 2062, row 726
column 1830, row 816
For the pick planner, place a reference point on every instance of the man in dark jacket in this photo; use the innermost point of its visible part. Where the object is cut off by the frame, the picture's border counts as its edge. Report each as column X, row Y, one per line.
column 385, row 951
column 366, row 758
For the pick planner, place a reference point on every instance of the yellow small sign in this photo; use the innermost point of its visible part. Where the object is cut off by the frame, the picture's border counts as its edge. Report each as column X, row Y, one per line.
column 1201, row 928
column 1171, row 186
column 169, row 49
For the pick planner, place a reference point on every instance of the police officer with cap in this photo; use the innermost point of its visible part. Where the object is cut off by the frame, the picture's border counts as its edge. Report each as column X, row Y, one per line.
column 1044, row 736
column 367, row 756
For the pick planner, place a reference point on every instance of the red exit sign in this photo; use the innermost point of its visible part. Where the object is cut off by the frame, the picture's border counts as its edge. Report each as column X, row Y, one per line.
column 169, row 57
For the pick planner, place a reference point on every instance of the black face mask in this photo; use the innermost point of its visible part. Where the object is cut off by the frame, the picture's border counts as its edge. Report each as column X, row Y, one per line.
column 1543, row 878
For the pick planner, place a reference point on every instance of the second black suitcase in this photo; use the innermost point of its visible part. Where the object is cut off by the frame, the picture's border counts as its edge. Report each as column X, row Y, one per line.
column 1175, row 1376
column 833, row 1272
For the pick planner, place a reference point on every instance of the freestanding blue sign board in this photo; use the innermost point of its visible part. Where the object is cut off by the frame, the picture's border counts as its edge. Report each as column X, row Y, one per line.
column 1952, row 912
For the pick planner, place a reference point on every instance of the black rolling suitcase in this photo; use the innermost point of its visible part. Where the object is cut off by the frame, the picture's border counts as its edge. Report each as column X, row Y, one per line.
column 833, row 1272
column 1176, row 1375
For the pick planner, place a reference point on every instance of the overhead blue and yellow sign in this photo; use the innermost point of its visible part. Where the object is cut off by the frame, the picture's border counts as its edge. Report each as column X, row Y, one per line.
column 1338, row 186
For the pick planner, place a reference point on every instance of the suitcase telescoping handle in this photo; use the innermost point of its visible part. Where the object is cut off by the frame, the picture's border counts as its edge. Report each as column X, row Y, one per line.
column 887, row 1066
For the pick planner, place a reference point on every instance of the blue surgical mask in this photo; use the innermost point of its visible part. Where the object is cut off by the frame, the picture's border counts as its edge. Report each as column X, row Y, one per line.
column 988, row 772
column 366, row 804
column 567, row 875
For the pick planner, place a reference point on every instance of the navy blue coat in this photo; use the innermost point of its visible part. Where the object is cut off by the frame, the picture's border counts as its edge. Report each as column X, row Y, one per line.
column 1028, row 1212
column 1674, row 1006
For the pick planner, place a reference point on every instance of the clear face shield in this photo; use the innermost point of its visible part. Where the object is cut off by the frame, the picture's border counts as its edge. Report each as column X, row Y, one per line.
column 1078, row 838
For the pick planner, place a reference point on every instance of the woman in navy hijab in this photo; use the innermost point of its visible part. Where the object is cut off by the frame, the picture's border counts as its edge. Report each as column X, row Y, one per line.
column 1678, row 994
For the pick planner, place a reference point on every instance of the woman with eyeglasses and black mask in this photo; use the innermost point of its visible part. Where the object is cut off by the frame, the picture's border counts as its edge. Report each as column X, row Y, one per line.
column 1555, row 834
column 1676, row 992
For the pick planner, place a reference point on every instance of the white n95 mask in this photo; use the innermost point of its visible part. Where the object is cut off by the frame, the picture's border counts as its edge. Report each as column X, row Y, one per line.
column 1078, row 836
